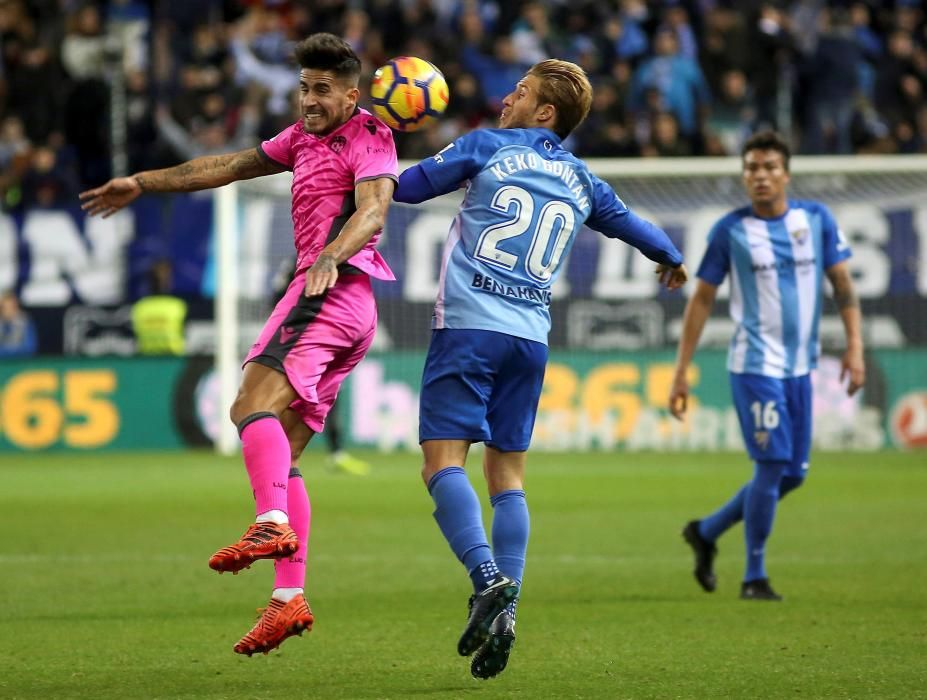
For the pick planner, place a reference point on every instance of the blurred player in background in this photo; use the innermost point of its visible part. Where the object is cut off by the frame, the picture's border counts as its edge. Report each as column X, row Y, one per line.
column 339, row 459
column 344, row 168
column 777, row 252
column 527, row 198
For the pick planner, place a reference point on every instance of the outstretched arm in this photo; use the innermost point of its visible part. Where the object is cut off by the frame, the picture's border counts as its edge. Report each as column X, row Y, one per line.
column 611, row 217
column 693, row 322
column 197, row 174
column 372, row 198
column 848, row 305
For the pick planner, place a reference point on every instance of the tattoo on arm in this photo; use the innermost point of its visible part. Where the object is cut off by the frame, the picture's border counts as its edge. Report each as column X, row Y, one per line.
column 844, row 294
column 208, row 171
column 842, row 282
column 375, row 196
column 845, row 297
column 372, row 198
column 251, row 163
column 325, row 263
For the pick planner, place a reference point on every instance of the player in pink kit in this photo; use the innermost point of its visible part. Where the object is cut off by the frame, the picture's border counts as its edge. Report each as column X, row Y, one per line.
column 344, row 169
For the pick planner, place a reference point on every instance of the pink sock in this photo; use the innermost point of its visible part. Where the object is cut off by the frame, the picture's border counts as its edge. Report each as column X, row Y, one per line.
column 267, row 459
column 291, row 572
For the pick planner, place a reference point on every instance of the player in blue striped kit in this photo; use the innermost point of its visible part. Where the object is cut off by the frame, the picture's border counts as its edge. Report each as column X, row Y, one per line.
column 526, row 199
column 777, row 252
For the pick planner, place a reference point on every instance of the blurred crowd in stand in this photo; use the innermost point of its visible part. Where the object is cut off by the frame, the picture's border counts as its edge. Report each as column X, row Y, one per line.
column 672, row 78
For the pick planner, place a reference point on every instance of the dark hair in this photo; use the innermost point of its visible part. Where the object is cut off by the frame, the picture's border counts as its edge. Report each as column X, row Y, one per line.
column 328, row 52
column 768, row 140
column 566, row 87
column 159, row 277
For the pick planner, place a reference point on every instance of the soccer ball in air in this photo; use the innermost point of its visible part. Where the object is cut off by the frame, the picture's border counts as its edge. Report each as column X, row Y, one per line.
column 408, row 93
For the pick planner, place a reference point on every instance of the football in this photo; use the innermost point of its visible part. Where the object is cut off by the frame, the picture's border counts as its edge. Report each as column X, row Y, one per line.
column 408, row 93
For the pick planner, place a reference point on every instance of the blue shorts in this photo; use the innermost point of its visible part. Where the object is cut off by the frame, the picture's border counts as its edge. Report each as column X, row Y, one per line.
column 481, row 386
column 775, row 418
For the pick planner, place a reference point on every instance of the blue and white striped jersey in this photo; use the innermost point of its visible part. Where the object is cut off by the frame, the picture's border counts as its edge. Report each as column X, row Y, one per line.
column 526, row 199
column 777, row 268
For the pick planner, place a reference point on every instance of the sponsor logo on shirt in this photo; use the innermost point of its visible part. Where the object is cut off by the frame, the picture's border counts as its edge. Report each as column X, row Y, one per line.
column 485, row 283
column 438, row 158
column 286, row 334
column 371, row 126
column 782, row 264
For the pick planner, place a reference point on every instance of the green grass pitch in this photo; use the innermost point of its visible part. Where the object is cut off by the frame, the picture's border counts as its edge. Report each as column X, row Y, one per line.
column 106, row 593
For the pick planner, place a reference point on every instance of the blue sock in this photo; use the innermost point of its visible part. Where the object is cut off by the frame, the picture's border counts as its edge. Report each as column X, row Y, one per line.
column 759, row 511
column 732, row 512
column 457, row 511
column 483, row 575
column 511, row 525
column 510, row 528
column 728, row 515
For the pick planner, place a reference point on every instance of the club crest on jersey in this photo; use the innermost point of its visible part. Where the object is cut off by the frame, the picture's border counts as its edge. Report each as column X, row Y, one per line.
column 761, row 438
column 338, row 143
column 800, row 235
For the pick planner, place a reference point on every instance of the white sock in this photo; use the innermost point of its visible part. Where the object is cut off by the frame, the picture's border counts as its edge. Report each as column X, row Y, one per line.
column 285, row 595
column 273, row 516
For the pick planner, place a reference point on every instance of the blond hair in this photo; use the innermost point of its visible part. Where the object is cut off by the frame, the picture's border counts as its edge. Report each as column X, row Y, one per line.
column 565, row 86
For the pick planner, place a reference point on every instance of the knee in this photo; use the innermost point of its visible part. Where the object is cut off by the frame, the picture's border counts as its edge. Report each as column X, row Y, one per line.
column 441, row 454
column 248, row 403
column 499, row 481
column 239, row 410
column 790, row 483
column 769, row 473
column 504, row 471
column 429, row 470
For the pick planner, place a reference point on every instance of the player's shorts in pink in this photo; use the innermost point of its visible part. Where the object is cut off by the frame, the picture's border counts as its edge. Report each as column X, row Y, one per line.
column 317, row 341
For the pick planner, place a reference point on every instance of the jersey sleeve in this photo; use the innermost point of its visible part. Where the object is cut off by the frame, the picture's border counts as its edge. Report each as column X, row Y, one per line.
column 717, row 259
column 280, row 148
column 611, row 217
column 458, row 162
column 413, row 186
column 835, row 247
column 374, row 155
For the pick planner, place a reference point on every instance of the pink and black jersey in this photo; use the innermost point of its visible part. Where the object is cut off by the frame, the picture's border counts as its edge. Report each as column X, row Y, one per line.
column 325, row 172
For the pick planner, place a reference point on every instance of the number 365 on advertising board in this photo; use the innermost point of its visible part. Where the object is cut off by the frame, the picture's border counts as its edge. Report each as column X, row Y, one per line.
column 70, row 408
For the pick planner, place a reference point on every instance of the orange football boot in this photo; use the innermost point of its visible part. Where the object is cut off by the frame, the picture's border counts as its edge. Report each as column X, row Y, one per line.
column 278, row 621
column 260, row 541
